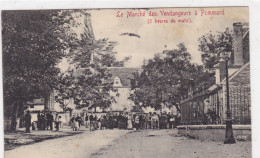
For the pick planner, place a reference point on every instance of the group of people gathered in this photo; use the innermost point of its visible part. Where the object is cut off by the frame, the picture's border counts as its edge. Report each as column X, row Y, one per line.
column 111, row 120
column 45, row 121
column 125, row 120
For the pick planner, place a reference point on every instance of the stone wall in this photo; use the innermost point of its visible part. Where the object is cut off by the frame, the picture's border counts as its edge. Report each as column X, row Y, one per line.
column 240, row 96
column 215, row 132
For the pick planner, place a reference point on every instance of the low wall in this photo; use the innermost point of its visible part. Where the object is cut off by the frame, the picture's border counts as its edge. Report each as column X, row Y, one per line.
column 215, row 132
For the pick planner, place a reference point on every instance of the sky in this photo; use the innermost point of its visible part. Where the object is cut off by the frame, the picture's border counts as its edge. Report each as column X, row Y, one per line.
column 156, row 37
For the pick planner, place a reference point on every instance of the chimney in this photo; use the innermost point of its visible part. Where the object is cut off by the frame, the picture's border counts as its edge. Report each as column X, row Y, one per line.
column 238, row 44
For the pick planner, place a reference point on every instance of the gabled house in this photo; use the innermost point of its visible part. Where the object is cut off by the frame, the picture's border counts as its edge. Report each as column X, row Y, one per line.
column 121, row 81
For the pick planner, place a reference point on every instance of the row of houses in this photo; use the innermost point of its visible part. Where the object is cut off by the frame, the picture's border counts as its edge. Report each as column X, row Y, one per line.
column 210, row 106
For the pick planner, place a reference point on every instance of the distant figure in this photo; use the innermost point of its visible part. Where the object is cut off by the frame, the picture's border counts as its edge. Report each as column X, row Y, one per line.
column 73, row 123
column 95, row 122
column 57, row 122
column 27, row 120
column 129, row 122
column 91, row 119
column 104, row 122
column 137, row 122
column 79, row 121
column 172, row 122
column 154, row 121
column 110, row 122
column 44, row 120
column 39, row 121
column 148, row 121
column 49, row 120
column 141, row 120
column 86, row 119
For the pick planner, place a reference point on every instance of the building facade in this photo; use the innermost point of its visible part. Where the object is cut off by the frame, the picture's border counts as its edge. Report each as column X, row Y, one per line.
column 121, row 81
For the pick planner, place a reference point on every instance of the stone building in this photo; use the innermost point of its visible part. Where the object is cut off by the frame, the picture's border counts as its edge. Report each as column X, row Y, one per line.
column 121, row 81
column 209, row 107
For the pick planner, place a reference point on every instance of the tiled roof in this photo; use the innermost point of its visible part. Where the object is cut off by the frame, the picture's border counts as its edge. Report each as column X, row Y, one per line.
column 36, row 102
column 236, row 73
column 124, row 73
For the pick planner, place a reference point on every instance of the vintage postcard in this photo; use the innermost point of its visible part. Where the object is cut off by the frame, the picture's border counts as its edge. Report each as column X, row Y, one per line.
column 132, row 83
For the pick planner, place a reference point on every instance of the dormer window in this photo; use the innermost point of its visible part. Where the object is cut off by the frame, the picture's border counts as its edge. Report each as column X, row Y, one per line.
column 117, row 82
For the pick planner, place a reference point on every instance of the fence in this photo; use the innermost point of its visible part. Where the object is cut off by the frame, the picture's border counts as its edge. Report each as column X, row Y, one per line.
column 192, row 111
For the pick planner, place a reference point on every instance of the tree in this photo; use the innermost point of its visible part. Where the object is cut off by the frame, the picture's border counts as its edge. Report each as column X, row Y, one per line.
column 210, row 44
column 88, row 82
column 33, row 44
column 65, row 90
column 163, row 81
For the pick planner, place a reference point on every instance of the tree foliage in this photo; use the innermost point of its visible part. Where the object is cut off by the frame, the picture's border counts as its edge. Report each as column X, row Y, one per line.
column 87, row 82
column 167, row 81
column 33, row 44
column 31, row 49
column 211, row 44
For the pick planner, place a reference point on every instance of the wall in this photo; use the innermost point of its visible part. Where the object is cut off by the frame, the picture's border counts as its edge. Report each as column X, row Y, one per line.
column 122, row 100
column 215, row 132
column 240, row 97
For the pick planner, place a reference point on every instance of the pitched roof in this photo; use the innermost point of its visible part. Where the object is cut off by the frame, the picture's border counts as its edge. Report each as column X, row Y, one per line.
column 247, row 32
column 124, row 73
column 235, row 73
column 36, row 102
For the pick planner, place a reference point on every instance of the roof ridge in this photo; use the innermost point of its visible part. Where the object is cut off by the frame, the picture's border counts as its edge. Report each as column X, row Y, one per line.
column 236, row 73
column 245, row 34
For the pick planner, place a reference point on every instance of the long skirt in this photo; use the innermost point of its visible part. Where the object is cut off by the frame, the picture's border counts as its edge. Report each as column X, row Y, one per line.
column 74, row 125
column 129, row 124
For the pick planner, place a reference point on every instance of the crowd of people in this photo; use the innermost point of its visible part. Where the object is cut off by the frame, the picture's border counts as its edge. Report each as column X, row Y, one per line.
column 125, row 120
column 111, row 120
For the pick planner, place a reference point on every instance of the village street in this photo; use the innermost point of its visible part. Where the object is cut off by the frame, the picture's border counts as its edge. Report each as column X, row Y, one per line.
column 134, row 144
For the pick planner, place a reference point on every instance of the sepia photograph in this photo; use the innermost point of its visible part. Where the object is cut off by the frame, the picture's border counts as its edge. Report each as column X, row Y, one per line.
column 126, row 83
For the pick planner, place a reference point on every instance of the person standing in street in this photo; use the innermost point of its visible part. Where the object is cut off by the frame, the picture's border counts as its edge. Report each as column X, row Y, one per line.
column 129, row 122
column 86, row 120
column 137, row 122
column 73, row 123
column 91, row 119
column 57, row 122
column 147, row 121
column 110, row 121
column 172, row 122
column 141, row 121
column 104, row 122
column 44, row 121
column 39, row 121
column 95, row 122
column 49, row 120
column 79, row 121
column 27, row 120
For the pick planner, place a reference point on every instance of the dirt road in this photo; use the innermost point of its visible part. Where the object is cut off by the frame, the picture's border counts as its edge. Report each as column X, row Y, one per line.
column 130, row 144
column 168, row 144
